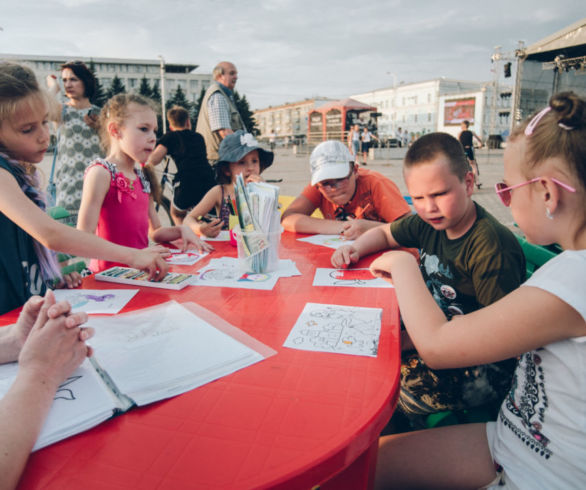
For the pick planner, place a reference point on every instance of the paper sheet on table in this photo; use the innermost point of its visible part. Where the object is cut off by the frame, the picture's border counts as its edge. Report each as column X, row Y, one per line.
column 224, row 236
column 287, row 267
column 226, row 272
column 189, row 257
column 96, row 301
column 356, row 278
column 337, row 329
column 330, row 241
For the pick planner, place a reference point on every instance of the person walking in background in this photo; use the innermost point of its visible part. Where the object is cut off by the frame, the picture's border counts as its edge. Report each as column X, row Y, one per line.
column 218, row 114
column 366, row 137
column 354, row 142
column 78, row 142
column 466, row 138
column 187, row 148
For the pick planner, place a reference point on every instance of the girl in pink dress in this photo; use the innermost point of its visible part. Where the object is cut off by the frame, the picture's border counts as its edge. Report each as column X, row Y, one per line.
column 117, row 202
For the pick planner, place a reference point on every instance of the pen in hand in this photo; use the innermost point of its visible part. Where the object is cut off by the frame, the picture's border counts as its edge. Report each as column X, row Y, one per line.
column 207, row 218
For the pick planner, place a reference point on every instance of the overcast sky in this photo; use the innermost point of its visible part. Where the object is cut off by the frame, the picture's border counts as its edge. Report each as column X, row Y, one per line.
column 288, row 50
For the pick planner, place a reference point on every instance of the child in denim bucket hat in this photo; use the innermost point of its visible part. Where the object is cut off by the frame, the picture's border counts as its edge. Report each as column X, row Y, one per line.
column 239, row 153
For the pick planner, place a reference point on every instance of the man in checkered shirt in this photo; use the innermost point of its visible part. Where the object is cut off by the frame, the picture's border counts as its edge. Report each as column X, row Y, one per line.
column 218, row 114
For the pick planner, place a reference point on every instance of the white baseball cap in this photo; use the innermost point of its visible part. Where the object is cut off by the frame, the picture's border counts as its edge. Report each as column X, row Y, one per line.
column 329, row 160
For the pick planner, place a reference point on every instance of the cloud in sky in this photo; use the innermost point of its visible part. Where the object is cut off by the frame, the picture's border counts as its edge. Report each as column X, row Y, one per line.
column 287, row 50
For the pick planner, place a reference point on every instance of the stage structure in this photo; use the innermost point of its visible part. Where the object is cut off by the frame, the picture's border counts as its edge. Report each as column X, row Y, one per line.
column 554, row 64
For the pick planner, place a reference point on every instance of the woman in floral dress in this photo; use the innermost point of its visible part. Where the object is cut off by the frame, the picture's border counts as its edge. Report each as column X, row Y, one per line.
column 78, row 143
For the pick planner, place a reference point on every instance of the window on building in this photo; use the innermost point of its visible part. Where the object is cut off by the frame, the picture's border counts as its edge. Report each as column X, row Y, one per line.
column 132, row 82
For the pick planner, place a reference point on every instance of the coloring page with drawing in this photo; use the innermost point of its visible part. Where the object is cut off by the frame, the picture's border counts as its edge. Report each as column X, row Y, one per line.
column 337, row 329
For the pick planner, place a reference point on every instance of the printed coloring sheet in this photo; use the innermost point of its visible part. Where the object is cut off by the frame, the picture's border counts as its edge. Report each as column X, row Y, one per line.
column 330, row 241
column 337, row 329
column 357, row 278
column 96, row 301
column 226, row 272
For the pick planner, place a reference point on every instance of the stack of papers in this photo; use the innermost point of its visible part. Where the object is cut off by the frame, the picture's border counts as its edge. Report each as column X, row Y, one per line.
column 257, row 206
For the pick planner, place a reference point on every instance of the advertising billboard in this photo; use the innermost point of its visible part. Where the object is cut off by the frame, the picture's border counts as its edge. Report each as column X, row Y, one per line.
column 458, row 110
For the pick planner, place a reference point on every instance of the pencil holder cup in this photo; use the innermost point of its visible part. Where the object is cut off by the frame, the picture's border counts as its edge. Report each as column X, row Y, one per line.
column 258, row 252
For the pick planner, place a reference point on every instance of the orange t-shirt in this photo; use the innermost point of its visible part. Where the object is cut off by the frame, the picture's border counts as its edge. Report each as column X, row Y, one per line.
column 386, row 202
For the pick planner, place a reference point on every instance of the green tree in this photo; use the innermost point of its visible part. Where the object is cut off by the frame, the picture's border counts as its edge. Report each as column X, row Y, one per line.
column 179, row 99
column 197, row 106
column 246, row 114
column 99, row 95
column 156, row 93
column 145, row 88
column 117, row 87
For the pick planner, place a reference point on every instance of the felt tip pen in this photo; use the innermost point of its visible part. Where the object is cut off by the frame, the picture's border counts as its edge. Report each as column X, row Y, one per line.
column 208, row 218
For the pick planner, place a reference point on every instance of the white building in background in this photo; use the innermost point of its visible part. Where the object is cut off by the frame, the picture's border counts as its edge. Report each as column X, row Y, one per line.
column 419, row 107
column 129, row 71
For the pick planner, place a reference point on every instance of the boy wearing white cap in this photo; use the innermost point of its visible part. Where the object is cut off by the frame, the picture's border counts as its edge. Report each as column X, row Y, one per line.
column 351, row 199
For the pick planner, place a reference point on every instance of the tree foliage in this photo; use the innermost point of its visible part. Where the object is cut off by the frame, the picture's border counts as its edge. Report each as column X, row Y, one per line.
column 246, row 114
column 145, row 88
column 100, row 96
column 179, row 99
column 156, row 93
column 197, row 106
column 117, row 87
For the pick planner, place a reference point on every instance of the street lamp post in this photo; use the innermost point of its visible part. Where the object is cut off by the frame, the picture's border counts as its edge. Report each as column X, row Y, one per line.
column 163, row 94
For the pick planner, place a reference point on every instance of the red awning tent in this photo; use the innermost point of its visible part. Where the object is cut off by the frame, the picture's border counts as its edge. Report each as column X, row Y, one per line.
column 333, row 120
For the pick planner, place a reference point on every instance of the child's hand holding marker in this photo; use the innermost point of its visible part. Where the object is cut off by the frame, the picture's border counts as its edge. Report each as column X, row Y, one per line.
column 210, row 225
column 353, row 228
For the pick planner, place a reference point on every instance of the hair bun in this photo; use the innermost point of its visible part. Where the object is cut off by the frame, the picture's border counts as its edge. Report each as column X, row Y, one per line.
column 569, row 108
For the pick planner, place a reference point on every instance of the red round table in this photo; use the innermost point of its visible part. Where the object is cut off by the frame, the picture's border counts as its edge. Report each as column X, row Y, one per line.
column 295, row 420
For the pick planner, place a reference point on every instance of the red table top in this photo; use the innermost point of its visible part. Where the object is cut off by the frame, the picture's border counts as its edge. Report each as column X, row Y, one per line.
column 291, row 421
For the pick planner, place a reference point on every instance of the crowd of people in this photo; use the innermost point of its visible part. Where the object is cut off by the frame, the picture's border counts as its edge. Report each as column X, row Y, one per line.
column 474, row 331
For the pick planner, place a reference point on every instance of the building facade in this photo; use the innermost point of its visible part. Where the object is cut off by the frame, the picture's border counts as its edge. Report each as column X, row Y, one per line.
column 287, row 122
column 129, row 71
column 413, row 107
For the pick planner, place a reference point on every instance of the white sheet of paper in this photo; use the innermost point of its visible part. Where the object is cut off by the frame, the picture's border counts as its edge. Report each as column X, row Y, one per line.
column 224, row 236
column 330, row 241
column 337, row 329
column 189, row 257
column 355, row 278
column 96, row 301
column 160, row 352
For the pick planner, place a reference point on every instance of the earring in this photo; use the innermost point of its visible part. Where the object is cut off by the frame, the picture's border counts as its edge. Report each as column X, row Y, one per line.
column 548, row 213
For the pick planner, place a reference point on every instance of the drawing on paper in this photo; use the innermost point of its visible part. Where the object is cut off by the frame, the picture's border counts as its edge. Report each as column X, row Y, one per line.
column 351, row 277
column 96, row 300
column 64, row 393
column 79, row 299
column 348, row 277
column 338, row 329
column 232, row 274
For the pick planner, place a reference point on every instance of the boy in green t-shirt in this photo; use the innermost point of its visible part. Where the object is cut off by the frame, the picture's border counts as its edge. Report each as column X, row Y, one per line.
column 468, row 260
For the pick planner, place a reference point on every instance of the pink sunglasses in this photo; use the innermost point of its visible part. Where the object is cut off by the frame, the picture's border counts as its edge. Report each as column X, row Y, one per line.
column 504, row 192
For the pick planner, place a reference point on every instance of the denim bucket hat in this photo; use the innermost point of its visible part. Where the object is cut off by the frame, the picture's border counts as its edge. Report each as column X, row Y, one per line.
column 236, row 146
